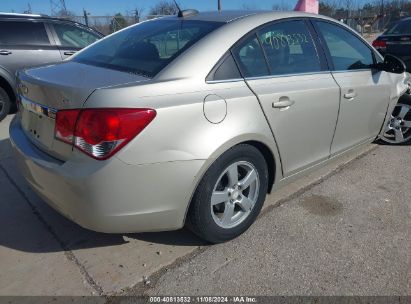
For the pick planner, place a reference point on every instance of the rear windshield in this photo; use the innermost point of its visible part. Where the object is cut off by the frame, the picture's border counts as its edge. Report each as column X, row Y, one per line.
column 145, row 49
column 401, row 28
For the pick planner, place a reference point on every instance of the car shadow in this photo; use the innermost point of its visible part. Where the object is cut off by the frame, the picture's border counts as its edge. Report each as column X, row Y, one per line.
column 28, row 224
column 29, row 235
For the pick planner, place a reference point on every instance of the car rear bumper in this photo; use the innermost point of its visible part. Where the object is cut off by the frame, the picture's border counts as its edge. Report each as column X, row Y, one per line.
column 109, row 196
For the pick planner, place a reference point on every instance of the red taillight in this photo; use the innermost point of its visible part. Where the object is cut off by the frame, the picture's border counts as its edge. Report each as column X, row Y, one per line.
column 100, row 133
column 65, row 125
column 379, row 44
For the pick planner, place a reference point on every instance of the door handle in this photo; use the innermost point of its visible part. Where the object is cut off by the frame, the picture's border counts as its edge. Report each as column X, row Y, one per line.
column 69, row 53
column 5, row 52
column 350, row 95
column 283, row 103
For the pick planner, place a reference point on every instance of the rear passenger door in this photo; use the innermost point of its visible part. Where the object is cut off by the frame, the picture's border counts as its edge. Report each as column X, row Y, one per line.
column 71, row 38
column 25, row 44
column 298, row 94
column 365, row 92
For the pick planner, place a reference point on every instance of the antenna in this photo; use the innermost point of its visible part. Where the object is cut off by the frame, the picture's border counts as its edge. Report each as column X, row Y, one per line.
column 180, row 12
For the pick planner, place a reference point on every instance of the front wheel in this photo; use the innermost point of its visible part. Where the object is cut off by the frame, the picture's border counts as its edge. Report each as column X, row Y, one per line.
column 230, row 196
column 398, row 129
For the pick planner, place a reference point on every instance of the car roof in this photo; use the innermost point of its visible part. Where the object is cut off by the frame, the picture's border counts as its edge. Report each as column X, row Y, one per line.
column 232, row 15
column 32, row 17
column 39, row 17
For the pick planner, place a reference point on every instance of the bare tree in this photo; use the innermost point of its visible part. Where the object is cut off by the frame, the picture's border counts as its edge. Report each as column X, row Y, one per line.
column 65, row 14
column 164, row 7
column 329, row 7
column 137, row 13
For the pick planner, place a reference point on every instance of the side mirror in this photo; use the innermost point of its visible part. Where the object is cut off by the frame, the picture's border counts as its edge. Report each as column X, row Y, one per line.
column 393, row 64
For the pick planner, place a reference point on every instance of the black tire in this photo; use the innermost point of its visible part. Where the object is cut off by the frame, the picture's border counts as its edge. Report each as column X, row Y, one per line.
column 5, row 104
column 200, row 218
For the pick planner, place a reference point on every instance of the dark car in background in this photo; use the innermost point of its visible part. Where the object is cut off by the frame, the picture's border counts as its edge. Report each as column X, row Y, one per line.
column 396, row 41
column 31, row 40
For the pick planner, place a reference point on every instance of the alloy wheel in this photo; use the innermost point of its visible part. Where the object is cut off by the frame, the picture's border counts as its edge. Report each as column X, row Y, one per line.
column 398, row 129
column 235, row 194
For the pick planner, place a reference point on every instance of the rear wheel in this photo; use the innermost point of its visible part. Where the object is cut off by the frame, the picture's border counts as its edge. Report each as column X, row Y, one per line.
column 398, row 129
column 4, row 104
column 230, row 196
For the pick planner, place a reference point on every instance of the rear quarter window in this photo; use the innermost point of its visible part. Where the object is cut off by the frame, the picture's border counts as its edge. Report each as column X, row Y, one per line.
column 400, row 28
column 147, row 48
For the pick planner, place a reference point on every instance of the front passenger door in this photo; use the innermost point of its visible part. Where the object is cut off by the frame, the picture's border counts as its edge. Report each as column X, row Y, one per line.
column 365, row 93
column 297, row 94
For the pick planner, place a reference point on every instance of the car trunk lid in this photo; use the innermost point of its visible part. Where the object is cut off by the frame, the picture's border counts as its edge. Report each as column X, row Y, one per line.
column 44, row 91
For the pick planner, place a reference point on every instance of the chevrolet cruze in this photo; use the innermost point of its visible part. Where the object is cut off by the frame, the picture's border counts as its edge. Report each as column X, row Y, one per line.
column 193, row 119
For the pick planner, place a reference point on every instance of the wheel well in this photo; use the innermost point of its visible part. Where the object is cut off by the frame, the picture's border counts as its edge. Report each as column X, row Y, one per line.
column 269, row 158
column 9, row 90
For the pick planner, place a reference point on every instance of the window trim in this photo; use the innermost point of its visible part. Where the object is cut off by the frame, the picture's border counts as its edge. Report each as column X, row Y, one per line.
column 327, row 52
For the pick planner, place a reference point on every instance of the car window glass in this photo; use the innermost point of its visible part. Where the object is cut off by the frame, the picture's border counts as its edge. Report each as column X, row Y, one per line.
column 170, row 42
column 73, row 36
column 23, row 33
column 227, row 70
column 289, row 48
column 347, row 51
column 148, row 47
column 400, row 28
column 250, row 58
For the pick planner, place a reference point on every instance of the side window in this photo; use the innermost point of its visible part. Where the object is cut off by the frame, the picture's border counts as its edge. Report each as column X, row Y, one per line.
column 227, row 70
column 23, row 33
column 347, row 51
column 73, row 36
column 250, row 58
column 289, row 48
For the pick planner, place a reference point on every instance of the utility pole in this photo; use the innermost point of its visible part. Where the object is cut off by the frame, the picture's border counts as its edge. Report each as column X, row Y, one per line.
column 85, row 17
column 29, row 10
column 137, row 15
column 58, row 6
column 219, row 5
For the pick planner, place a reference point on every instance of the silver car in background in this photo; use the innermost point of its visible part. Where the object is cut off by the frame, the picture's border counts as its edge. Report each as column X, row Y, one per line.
column 193, row 119
column 28, row 40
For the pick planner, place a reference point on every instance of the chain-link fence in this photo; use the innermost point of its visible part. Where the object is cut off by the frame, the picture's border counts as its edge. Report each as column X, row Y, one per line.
column 366, row 24
column 110, row 24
